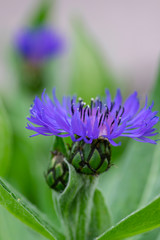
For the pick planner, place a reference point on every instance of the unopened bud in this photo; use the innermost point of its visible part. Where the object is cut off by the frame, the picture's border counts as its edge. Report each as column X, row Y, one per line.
column 58, row 173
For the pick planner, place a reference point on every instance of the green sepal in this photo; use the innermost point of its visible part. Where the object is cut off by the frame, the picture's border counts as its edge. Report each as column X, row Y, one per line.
column 91, row 159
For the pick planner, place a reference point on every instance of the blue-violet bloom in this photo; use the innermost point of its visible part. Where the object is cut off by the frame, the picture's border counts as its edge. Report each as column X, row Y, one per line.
column 108, row 119
column 37, row 44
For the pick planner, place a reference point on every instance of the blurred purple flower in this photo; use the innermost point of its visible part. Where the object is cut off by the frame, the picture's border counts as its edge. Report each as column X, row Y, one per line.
column 38, row 44
column 108, row 119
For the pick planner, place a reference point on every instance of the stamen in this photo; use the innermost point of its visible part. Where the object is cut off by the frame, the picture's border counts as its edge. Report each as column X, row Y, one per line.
column 119, row 109
column 88, row 112
column 122, row 112
column 71, row 101
column 84, row 113
column 97, row 111
column 100, row 120
column 92, row 101
column 97, row 101
column 81, row 107
column 100, row 104
column 112, row 122
column 107, row 109
column 112, row 105
column 72, row 109
column 72, row 106
column 119, row 121
column 116, row 114
column 105, row 114
column 80, row 100
column 80, row 110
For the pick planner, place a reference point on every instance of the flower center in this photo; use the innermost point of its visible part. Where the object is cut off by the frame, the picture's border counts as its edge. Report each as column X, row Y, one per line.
column 99, row 112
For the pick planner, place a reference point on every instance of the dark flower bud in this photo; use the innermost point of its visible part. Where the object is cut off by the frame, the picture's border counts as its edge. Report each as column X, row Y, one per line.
column 91, row 159
column 58, row 173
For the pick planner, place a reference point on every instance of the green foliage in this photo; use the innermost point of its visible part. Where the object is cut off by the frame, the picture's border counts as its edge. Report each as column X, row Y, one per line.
column 141, row 221
column 41, row 15
column 90, row 75
column 27, row 213
column 12, row 228
column 100, row 216
column 131, row 185
column 127, row 180
column 29, row 159
column 6, row 141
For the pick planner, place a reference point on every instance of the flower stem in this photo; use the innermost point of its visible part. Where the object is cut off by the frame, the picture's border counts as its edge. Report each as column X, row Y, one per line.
column 84, row 202
column 74, row 205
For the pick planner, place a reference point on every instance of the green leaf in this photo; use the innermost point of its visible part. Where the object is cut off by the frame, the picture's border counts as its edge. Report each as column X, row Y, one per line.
column 27, row 213
column 141, row 221
column 127, row 179
column 12, row 228
column 154, row 234
column 152, row 186
column 29, row 158
column 6, row 140
column 100, row 216
column 90, row 76
column 151, row 189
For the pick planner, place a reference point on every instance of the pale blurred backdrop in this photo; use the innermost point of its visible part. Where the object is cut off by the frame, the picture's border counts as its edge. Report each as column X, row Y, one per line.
column 126, row 31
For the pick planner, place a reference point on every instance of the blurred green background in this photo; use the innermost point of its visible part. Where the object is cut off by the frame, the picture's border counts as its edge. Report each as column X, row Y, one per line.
column 84, row 68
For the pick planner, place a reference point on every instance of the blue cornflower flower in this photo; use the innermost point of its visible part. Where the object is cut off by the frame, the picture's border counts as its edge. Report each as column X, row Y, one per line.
column 37, row 44
column 105, row 119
